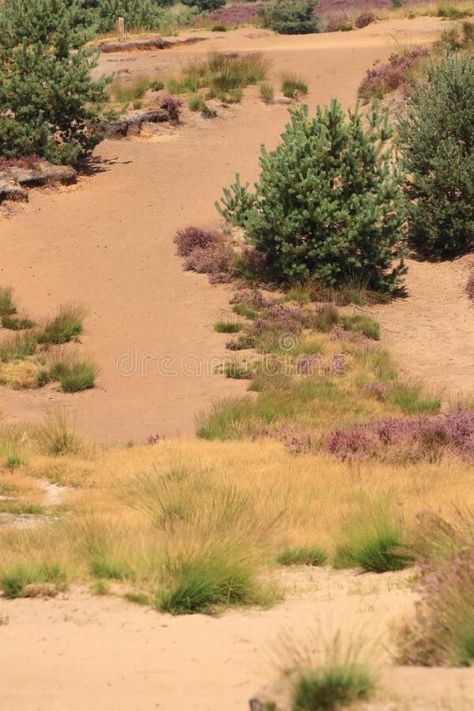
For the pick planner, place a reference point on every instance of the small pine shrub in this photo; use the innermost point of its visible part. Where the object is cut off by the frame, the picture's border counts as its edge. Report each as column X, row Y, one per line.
column 266, row 93
column 64, row 327
column 436, row 139
column 292, row 18
column 293, row 87
column 302, row 556
column 286, row 218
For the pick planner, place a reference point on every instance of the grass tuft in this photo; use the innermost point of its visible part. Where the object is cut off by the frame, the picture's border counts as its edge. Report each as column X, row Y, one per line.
column 57, row 437
column 14, row 580
column 64, row 327
column 7, row 305
column 302, row 556
column 227, row 327
column 292, row 86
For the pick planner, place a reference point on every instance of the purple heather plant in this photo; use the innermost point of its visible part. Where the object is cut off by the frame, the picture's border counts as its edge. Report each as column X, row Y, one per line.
column 171, row 104
column 383, row 78
column 190, row 238
column 214, row 259
column 295, row 439
column 30, row 162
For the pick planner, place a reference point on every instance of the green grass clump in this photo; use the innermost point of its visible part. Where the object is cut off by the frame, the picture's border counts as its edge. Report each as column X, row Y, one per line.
column 124, row 91
column 308, row 555
column 76, row 376
column 108, row 570
column 236, row 371
column 365, row 324
column 17, row 324
column 64, row 327
column 195, row 102
column 266, row 92
column 326, row 318
column 229, row 418
column 14, row 580
column 18, row 347
column 292, row 86
column 411, row 399
column 331, row 687
column 374, row 539
column 205, row 582
column 137, row 598
column 19, row 508
column 227, row 327
column 451, row 12
column 56, row 436
column 7, row 305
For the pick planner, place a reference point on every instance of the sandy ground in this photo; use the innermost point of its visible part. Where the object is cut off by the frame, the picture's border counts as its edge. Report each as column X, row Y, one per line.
column 107, row 241
column 106, row 654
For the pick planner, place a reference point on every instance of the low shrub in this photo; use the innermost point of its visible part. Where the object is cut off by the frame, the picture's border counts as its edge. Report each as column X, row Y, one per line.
column 292, row 18
column 211, row 260
column 339, row 23
column 364, row 19
column 469, row 288
column 292, row 86
column 451, row 12
column 373, row 539
column 266, row 93
column 64, row 327
column 399, row 71
column 308, row 555
column 190, row 238
column 173, row 105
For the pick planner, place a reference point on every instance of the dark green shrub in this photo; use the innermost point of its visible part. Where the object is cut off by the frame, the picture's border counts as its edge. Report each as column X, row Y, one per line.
column 292, row 18
column 437, row 144
column 49, row 105
column 327, row 206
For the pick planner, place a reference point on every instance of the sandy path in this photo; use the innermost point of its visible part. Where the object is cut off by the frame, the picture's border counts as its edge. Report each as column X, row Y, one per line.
column 108, row 241
column 103, row 653
column 431, row 332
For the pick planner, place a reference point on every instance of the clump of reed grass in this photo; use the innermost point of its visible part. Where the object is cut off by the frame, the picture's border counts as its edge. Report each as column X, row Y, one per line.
column 18, row 346
column 7, row 304
column 14, row 581
column 65, row 326
column 304, row 555
column 57, row 436
column 266, row 92
column 74, row 373
column 373, row 538
column 293, row 86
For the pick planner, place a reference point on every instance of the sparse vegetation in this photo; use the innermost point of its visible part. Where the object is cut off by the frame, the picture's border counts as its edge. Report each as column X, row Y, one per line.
column 306, row 555
column 266, row 92
column 292, row 87
column 64, row 327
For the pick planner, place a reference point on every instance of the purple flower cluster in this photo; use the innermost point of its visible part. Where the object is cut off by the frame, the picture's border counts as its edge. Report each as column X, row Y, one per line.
column 235, row 14
column 190, row 238
column 171, row 104
column 339, row 333
column 383, row 78
column 295, row 439
column 213, row 260
column 420, row 437
column 288, row 319
column 30, row 161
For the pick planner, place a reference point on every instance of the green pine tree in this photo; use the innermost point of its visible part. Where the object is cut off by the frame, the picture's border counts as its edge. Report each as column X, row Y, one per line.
column 49, row 104
column 327, row 205
column 437, row 146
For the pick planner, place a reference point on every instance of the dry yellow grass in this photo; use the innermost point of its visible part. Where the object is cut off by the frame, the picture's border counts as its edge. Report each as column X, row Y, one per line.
column 131, row 510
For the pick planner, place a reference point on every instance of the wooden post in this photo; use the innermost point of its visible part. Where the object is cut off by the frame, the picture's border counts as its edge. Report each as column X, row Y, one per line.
column 121, row 29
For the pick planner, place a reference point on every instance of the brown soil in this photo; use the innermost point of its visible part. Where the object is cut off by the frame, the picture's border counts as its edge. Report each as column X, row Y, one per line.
column 108, row 240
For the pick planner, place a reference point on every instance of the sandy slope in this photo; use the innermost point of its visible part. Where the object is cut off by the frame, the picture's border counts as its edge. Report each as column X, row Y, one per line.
column 108, row 241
